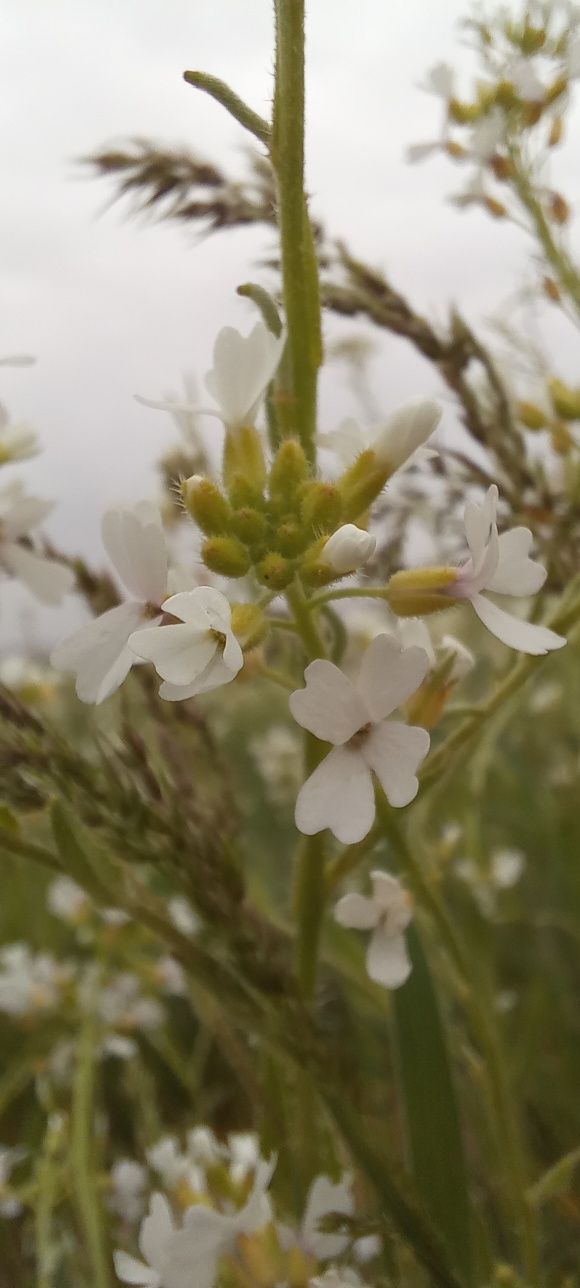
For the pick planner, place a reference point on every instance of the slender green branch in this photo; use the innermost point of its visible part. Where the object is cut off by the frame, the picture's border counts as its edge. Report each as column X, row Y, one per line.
column 300, row 607
column 309, row 888
column 236, row 107
column 299, row 262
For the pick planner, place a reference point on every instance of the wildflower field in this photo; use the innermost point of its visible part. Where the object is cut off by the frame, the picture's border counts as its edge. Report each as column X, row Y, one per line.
column 289, row 827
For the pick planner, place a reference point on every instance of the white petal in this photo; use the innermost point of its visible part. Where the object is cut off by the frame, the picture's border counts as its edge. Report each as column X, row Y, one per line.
column 191, row 1258
column 387, row 959
column 516, row 573
column 156, row 1229
column 395, row 751
column 325, row 1197
column 131, row 1271
column 357, row 912
column 243, row 367
column 98, row 653
column 213, row 677
column 329, row 706
column 389, row 674
column 48, row 580
column 135, row 544
column 414, row 631
column 203, row 606
column 339, row 795
column 179, row 653
column 478, row 520
column 409, row 428
column 527, row 637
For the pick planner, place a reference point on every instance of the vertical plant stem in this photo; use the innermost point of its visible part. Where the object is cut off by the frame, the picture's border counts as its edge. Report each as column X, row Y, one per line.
column 299, row 263
column 83, row 1157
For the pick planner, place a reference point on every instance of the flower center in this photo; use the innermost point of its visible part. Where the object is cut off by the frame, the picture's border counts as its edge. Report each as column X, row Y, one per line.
column 360, row 736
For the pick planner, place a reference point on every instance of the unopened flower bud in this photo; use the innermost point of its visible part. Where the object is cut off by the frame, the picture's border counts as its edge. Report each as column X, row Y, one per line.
column 347, row 549
column 226, row 556
column 275, row 572
column 566, row 401
column 531, row 415
column 408, row 429
column 289, row 470
column 291, row 537
column 244, row 457
column 321, row 506
column 559, row 208
column 206, row 504
column 249, row 525
column 556, row 132
column 248, row 624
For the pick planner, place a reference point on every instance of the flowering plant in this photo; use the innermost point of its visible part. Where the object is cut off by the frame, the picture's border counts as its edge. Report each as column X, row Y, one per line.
column 204, row 1035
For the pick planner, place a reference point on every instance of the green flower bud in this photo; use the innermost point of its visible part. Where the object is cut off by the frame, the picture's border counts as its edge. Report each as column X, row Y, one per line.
column 362, row 484
column 226, row 555
column 321, row 506
column 249, row 525
column 290, row 537
column 275, row 572
column 206, row 504
column 289, row 470
column 248, row 624
column 244, row 494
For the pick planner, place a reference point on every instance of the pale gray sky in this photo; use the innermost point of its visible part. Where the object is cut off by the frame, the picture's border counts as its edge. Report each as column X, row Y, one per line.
column 111, row 307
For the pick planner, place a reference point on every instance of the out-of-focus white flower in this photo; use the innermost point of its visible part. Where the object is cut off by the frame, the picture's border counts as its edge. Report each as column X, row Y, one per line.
column 128, row 1185
column 182, row 915
column 122, row 1005
column 204, row 1147
column 244, row 1150
column 114, row 917
column 463, row 659
column 20, row 514
column 387, row 913
column 545, row 697
column 170, row 975
column 66, row 899
column 487, row 135
column 176, row 1169
column 337, row 1278
column 507, row 866
column 353, row 716
column 406, row 431
column 324, row 1197
column 17, row 442
column 347, row 549
column 30, row 982
column 199, row 654
column 440, row 80
column 525, row 80
column 9, row 1158
column 501, row 565
column 98, row 654
column 178, row 1258
column 243, row 366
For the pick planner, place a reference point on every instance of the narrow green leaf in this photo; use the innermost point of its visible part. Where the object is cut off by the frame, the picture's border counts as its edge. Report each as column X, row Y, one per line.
column 431, row 1115
column 76, row 854
column 557, row 1180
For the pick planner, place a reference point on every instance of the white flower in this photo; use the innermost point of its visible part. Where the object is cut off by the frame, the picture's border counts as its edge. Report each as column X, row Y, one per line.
column 347, row 441
column 182, row 915
column 487, row 135
column 98, row 654
column 243, row 366
column 244, row 1150
column 128, row 1183
column 501, row 565
column 440, row 80
column 204, row 1147
column 175, row 1168
column 507, row 866
column 387, row 914
column 405, row 431
column 66, row 899
column 180, row 1258
column 121, row 1004
column 353, row 716
column 333, row 1278
column 170, row 974
column 414, row 631
column 29, row 982
column 325, row 1197
column 347, row 549
column 17, row 442
column 525, row 80
column 200, row 653
column 48, row 580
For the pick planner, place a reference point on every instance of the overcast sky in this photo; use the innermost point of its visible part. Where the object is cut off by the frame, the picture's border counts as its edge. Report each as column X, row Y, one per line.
column 111, row 306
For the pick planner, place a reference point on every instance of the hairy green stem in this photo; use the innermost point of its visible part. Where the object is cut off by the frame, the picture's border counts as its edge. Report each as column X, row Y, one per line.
column 222, row 93
column 299, row 262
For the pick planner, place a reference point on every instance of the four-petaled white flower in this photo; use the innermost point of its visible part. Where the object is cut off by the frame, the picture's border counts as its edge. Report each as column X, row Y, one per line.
column 353, row 716
column 198, row 654
column 243, row 366
column 323, row 1198
column 501, row 565
column 387, row 913
column 98, row 654
column 19, row 515
column 179, row 1258
column 397, row 444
